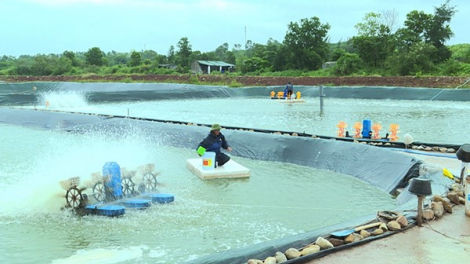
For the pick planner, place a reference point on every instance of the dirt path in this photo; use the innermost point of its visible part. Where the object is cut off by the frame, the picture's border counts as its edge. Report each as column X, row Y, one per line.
column 399, row 81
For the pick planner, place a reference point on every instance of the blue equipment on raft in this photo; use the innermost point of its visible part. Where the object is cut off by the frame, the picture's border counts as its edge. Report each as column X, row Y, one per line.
column 114, row 191
column 113, row 171
column 366, row 128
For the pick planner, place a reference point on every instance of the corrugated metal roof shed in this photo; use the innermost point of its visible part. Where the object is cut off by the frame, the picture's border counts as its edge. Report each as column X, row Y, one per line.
column 215, row 63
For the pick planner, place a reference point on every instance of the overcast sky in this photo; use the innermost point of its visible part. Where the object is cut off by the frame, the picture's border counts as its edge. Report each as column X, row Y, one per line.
column 53, row 26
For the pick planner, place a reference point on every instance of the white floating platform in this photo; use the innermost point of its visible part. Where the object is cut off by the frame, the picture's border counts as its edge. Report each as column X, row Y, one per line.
column 230, row 170
column 292, row 101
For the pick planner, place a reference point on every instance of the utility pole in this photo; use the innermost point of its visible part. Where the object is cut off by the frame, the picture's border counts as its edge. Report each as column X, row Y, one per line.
column 245, row 37
column 322, row 96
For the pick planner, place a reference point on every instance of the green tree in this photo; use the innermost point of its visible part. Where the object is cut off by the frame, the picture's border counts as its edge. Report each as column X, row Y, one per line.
column 6, row 63
column 271, row 53
column 451, row 68
column 248, row 45
column 171, row 54
column 414, row 62
column 71, row 56
column 94, row 56
column 416, row 25
column 149, row 55
column 23, row 65
column 281, row 59
column 208, row 56
column 63, row 65
column 42, row 65
column 230, row 57
column 221, row 52
column 371, row 25
column 431, row 29
column 184, row 52
column 374, row 42
column 337, row 53
column 306, row 43
column 117, row 58
column 460, row 52
column 254, row 64
column 439, row 30
column 136, row 59
column 347, row 64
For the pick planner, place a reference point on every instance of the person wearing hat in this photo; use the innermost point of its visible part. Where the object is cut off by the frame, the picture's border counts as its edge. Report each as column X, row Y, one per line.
column 214, row 142
column 290, row 90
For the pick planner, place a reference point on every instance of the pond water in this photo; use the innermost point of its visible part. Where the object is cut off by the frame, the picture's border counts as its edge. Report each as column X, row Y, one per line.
column 279, row 199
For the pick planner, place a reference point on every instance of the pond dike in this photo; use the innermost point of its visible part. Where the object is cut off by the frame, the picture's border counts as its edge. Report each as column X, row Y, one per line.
column 24, row 94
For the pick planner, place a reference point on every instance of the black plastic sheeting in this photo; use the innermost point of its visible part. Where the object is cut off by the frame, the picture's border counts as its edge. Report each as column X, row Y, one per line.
column 23, row 93
column 383, row 168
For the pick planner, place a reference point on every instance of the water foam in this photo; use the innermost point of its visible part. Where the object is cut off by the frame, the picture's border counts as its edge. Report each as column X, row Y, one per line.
column 102, row 256
column 63, row 100
column 34, row 187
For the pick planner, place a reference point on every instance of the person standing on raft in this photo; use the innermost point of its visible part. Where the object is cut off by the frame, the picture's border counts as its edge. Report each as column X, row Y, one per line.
column 214, row 142
column 290, row 90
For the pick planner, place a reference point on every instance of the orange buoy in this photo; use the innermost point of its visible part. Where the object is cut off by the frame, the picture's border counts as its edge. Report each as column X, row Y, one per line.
column 357, row 127
column 341, row 125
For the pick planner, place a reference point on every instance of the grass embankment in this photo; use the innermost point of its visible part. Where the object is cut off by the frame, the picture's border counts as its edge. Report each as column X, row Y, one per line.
column 244, row 81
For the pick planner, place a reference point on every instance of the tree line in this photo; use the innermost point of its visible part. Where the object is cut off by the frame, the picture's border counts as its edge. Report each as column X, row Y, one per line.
column 380, row 47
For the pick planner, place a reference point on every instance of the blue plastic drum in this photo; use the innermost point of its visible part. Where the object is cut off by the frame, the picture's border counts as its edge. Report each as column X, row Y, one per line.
column 113, row 184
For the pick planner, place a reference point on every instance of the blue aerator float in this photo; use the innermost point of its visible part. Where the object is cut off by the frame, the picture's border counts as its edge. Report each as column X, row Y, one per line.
column 114, row 191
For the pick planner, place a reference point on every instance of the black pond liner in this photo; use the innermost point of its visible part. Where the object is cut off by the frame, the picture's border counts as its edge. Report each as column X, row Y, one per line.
column 23, row 94
column 386, row 169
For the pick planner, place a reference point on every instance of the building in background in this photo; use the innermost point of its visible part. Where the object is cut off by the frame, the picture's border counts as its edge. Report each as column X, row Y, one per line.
column 206, row 67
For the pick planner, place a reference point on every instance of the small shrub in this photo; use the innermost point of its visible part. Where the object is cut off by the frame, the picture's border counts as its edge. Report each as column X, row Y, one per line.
column 193, row 79
column 451, row 68
column 127, row 80
column 235, row 84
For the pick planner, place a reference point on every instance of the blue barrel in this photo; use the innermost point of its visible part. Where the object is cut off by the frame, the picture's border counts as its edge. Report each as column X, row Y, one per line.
column 366, row 128
column 113, row 171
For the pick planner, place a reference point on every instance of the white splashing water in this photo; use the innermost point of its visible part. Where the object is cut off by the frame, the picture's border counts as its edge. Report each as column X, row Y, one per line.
column 102, row 256
column 63, row 100
column 33, row 187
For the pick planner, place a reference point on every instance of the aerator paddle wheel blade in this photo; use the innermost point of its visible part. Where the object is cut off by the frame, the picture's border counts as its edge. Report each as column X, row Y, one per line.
column 127, row 187
column 150, row 181
column 99, row 192
column 74, row 197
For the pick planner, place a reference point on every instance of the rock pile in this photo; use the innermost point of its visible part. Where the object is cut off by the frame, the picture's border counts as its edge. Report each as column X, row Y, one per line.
column 443, row 204
column 392, row 222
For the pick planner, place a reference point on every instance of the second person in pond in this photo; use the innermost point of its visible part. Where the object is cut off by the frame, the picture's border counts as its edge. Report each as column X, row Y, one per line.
column 290, row 90
column 214, row 142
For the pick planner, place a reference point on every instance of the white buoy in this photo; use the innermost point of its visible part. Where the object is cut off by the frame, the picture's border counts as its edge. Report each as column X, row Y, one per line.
column 407, row 139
